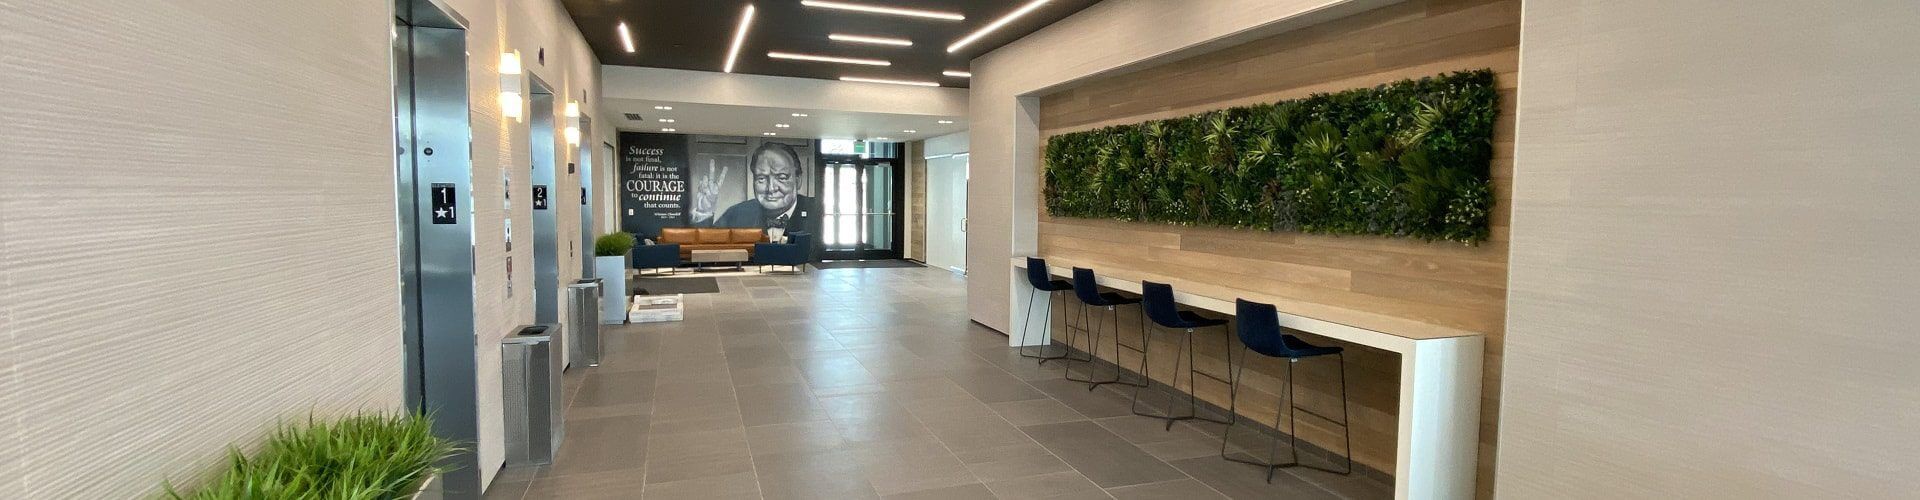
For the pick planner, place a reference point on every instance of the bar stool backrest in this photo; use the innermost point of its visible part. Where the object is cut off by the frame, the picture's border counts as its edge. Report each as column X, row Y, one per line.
column 1037, row 275
column 1259, row 328
column 1157, row 298
column 1086, row 288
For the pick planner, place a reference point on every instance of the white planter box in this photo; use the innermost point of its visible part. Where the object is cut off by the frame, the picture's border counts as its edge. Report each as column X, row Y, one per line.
column 612, row 272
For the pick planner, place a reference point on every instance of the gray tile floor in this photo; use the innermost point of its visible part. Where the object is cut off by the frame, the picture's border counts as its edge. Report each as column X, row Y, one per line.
column 867, row 383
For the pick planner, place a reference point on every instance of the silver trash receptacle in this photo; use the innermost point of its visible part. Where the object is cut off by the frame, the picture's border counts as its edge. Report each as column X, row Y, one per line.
column 583, row 321
column 530, row 369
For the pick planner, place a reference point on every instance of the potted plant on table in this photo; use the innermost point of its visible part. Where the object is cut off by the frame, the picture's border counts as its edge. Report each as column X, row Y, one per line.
column 371, row 456
column 610, row 265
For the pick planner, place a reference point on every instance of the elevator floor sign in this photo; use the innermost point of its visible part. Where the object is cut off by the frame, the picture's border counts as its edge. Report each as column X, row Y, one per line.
column 445, row 211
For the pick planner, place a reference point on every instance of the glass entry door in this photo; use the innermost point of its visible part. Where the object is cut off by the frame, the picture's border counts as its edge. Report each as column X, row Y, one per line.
column 861, row 208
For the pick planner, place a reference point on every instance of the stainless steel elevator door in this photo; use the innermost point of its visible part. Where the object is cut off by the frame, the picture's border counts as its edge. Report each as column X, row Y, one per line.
column 434, row 214
column 541, row 136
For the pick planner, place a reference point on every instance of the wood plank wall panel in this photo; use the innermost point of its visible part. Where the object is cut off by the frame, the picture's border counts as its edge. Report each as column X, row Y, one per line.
column 917, row 200
column 1439, row 283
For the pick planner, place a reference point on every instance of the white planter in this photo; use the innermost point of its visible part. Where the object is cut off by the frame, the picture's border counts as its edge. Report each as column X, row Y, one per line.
column 612, row 272
column 429, row 489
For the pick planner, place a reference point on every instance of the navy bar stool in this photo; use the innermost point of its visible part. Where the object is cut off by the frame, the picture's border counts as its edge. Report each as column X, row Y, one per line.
column 1157, row 301
column 1260, row 332
column 1088, row 290
column 1042, row 282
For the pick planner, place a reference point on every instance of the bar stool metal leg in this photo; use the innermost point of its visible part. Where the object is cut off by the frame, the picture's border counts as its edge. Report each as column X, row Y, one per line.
column 1193, row 398
column 1093, row 342
column 1233, row 405
column 1345, row 431
column 1047, row 322
column 1093, row 354
column 1146, row 340
column 1289, row 407
column 1119, row 374
column 1273, row 445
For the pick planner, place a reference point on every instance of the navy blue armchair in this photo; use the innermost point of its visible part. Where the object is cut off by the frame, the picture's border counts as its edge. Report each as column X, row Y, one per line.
column 657, row 256
column 795, row 253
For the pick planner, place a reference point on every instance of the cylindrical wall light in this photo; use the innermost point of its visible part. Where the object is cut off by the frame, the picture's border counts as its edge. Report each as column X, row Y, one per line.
column 511, row 104
column 573, row 123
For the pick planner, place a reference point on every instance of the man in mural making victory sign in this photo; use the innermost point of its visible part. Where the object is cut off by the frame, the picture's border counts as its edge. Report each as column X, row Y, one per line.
column 777, row 202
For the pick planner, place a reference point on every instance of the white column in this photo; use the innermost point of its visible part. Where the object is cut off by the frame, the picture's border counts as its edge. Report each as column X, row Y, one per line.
column 1439, row 419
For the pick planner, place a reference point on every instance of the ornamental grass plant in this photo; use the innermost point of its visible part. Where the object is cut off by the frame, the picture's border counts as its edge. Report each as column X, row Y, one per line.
column 371, row 456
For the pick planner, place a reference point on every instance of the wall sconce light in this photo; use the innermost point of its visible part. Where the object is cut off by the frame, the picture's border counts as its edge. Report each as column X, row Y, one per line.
column 511, row 104
column 573, row 123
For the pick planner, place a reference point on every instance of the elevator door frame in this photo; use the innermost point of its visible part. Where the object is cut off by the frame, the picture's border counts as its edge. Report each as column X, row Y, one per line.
column 587, row 233
column 433, row 165
column 545, row 158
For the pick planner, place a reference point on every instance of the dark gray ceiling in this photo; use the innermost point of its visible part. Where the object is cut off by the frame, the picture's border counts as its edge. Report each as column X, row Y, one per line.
column 695, row 35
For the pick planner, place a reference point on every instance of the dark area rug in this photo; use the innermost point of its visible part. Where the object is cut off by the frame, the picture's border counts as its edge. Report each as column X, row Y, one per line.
column 864, row 264
column 673, row 285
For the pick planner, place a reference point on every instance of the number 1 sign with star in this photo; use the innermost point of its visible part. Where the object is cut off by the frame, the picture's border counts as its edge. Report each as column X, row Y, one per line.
column 444, row 209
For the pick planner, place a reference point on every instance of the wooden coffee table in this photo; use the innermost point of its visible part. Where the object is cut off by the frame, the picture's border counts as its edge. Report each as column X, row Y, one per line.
column 737, row 257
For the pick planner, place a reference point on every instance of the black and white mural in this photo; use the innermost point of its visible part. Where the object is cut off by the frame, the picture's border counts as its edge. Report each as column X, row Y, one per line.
column 674, row 180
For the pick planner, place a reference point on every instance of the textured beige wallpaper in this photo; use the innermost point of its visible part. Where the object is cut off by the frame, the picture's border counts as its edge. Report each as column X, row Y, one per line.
column 500, row 146
column 1712, row 281
column 197, row 203
column 197, row 226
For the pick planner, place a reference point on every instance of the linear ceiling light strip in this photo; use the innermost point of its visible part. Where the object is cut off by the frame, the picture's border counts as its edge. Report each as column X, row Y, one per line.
column 874, row 40
column 881, row 9
column 889, row 82
column 830, row 59
column 626, row 37
column 996, row 24
column 739, row 37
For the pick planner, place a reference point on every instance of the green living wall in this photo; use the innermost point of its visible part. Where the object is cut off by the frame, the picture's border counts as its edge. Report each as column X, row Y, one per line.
column 1408, row 158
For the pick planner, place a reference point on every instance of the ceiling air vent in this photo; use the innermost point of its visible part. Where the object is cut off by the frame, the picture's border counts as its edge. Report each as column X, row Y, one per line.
column 635, row 117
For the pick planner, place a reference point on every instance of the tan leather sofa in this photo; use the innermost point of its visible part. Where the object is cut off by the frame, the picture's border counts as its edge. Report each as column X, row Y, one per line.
column 712, row 238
